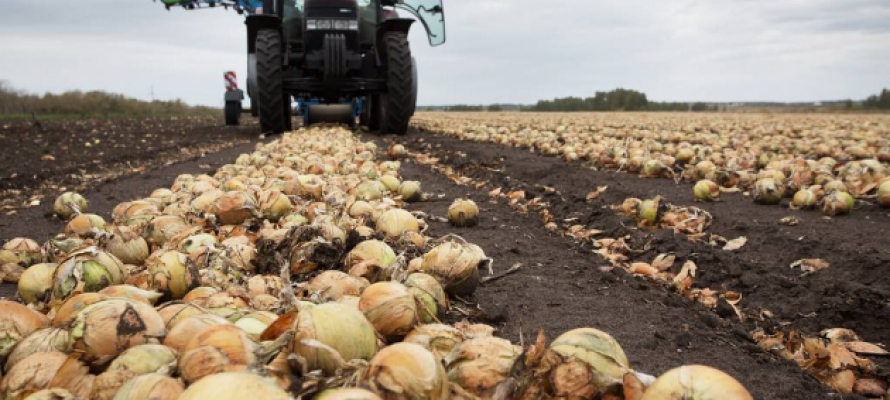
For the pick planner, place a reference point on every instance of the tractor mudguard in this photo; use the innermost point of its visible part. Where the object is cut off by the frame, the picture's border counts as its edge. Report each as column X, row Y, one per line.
column 256, row 23
column 392, row 25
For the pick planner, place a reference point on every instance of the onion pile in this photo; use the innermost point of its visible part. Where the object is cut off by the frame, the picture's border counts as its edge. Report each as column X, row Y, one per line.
column 285, row 274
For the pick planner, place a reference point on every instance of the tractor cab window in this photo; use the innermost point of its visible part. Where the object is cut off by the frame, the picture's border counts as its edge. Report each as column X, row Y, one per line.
column 292, row 19
column 431, row 14
column 367, row 15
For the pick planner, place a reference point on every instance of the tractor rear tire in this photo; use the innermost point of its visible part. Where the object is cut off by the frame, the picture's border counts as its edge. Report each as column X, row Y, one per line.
column 397, row 105
column 233, row 113
column 270, row 90
column 372, row 106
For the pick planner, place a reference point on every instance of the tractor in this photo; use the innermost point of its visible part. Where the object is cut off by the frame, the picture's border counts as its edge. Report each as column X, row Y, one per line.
column 340, row 60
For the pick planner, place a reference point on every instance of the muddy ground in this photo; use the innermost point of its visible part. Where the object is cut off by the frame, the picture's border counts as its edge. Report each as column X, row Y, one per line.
column 563, row 285
column 44, row 158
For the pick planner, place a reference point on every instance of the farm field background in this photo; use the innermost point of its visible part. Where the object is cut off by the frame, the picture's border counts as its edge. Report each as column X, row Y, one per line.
column 751, row 289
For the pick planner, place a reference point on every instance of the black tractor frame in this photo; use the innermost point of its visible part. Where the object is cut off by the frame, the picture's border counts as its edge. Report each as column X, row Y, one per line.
column 334, row 52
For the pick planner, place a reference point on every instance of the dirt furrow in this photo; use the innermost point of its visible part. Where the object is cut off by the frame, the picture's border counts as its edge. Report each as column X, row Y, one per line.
column 561, row 286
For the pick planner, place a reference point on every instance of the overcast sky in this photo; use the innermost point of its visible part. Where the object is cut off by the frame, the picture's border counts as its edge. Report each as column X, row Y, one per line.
column 515, row 51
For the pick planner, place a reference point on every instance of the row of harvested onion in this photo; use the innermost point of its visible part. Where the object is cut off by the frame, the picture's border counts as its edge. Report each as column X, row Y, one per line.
column 812, row 161
column 294, row 272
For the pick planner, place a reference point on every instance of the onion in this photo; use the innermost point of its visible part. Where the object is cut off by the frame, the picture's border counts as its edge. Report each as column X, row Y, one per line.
column 255, row 323
column 273, row 205
column 196, row 242
column 47, row 370
column 184, row 330
column 105, row 329
column 139, row 360
column 133, row 293
column 397, row 151
column 834, row 186
column 174, row 312
column 215, row 349
column 26, row 251
column 395, row 222
column 370, row 191
column 463, row 213
column 884, row 193
column 837, row 203
column 429, row 295
column 441, row 339
column 11, row 273
column 234, row 386
column 199, row 295
column 596, row 348
column 407, row 371
column 68, row 204
column 479, row 365
column 574, row 380
column 803, row 199
column 264, row 284
column 51, row 394
column 654, row 169
column 768, row 191
column 151, row 386
column 390, row 308
column 650, row 211
column 455, row 266
column 374, row 251
column 68, row 310
column 17, row 322
column 171, row 275
column 391, row 183
column 360, row 209
column 410, row 191
column 333, row 285
column 233, row 208
column 347, row 394
column 338, row 326
column 85, row 225
column 163, row 228
column 696, row 382
column 39, row 341
column 706, row 190
column 128, row 246
column 36, row 283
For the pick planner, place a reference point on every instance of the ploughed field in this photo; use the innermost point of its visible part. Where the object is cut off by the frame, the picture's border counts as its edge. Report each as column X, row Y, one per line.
column 484, row 255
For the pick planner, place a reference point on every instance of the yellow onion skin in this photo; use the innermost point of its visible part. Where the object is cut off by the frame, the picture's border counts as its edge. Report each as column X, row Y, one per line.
column 215, row 349
column 597, row 349
column 440, row 339
column 133, row 293
column 479, row 365
column 25, row 251
column 234, row 386
column 233, row 208
column 87, row 270
column 884, row 194
column 40, row 341
column 410, row 191
column 68, row 204
column 375, row 251
column 46, row 370
column 103, row 330
column 390, row 307
column 455, row 266
column 146, row 359
column 150, row 386
column 67, row 311
column 706, row 190
column 171, row 274
column 768, row 191
column 837, row 203
column 696, row 382
column 463, row 213
column 347, row 394
column 803, row 199
column 36, row 282
column 16, row 322
column 255, row 323
column 333, row 285
column 407, row 371
column 339, row 326
column 429, row 295
column 85, row 225
column 51, row 394
column 175, row 311
column 185, row 330
column 395, row 222
column 127, row 246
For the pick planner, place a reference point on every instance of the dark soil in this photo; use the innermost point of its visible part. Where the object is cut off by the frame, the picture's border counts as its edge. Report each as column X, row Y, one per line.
column 40, row 161
column 562, row 287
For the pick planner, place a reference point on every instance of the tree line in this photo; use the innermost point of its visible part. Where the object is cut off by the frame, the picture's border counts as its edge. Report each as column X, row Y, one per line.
column 616, row 100
column 92, row 103
column 878, row 101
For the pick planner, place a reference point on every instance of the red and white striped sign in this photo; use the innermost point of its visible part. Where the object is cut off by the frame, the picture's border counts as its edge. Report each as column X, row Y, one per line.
column 231, row 82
